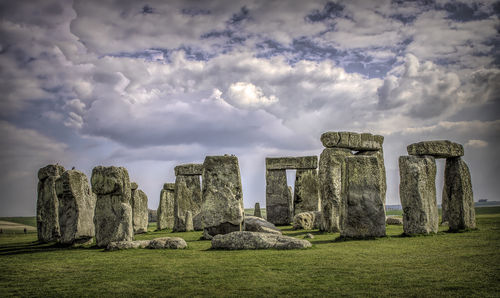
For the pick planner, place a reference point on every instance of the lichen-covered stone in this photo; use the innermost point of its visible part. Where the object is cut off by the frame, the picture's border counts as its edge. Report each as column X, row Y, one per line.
column 457, row 193
column 192, row 169
column 306, row 193
column 417, row 191
column 222, row 195
column 188, row 197
column 119, row 245
column 139, row 211
column 391, row 220
column 379, row 154
column 364, row 214
column 256, row 240
column 279, row 204
column 332, row 186
column 76, row 208
column 291, row 163
column 198, row 222
column 307, row 220
column 438, row 149
column 113, row 212
column 256, row 210
column 47, row 204
column 352, row 140
column 133, row 186
column 157, row 243
column 257, row 224
column 166, row 207
column 189, row 221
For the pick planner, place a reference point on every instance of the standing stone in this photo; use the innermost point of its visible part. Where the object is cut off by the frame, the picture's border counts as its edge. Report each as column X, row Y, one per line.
column 417, row 191
column 332, row 187
column 166, row 207
column 256, row 210
column 139, row 210
column 222, row 209
column 279, row 205
column 47, row 204
column 187, row 198
column 457, row 193
column 306, row 194
column 290, row 202
column 364, row 214
column 113, row 213
column 76, row 208
column 379, row 154
column 189, row 221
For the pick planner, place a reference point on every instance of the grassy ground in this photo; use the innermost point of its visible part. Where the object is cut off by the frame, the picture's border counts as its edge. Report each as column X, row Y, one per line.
column 446, row 264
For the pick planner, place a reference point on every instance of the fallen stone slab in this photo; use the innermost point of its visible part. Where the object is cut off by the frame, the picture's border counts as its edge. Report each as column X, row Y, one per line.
column 438, row 149
column 257, row 224
column 352, row 140
column 157, row 243
column 119, row 245
column 256, row 240
column 291, row 163
column 397, row 221
column 191, row 169
column 307, row 220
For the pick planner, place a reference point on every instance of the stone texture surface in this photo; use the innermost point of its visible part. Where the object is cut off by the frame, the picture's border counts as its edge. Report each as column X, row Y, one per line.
column 457, row 192
column 189, row 169
column 380, row 159
column 189, row 221
column 364, row 214
column 119, row 245
column 417, row 192
column 166, row 207
column 352, row 140
column 188, row 197
column 306, row 193
column 113, row 212
column 256, row 240
column 438, row 149
column 391, row 220
column 332, row 186
column 279, row 202
column 198, row 222
column 134, row 186
column 47, row 204
column 291, row 163
column 76, row 208
column 257, row 224
column 222, row 195
column 139, row 211
column 307, row 220
column 157, row 243
column 256, row 210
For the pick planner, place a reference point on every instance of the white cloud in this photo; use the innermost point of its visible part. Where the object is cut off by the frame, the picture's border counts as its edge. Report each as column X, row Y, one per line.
column 247, row 95
column 477, row 143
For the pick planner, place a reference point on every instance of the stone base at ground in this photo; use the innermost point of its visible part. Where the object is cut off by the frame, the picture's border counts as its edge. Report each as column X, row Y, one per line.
column 257, row 224
column 307, row 220
column 256, row 240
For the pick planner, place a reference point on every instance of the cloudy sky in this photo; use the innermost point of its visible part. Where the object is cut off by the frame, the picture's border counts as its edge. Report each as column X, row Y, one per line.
column 152, row 84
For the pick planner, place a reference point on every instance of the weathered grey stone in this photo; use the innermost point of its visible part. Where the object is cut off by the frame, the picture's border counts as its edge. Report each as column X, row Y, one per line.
column 119, row 245
column 307, row 220
column 256, row 210
column 291, row 163
column 222, row 195
column 113, row 212
column 134, row 186
column 306, row 193
column 457, row 193
column 188, row 197
column 167, row 242
column 438, row 149
column 76, row 208
column 256, row 240
column 380, row 159
column 257, row 224
column 364, row 214
column 352, row 140
column 332, row 186
column 279, row 202
column 166, row 207
column 189, row 221
column 391, row 220
column 139, row 211
column 198, row 222
column 47, row 204
column 289, row 197
column 192, row 169
column 417, row 191
column 309, row 236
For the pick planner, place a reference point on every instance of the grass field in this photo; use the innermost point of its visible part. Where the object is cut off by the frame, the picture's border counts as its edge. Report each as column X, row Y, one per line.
column 446, row 264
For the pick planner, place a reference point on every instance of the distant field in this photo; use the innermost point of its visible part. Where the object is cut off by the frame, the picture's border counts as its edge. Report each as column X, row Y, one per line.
column 447, row 264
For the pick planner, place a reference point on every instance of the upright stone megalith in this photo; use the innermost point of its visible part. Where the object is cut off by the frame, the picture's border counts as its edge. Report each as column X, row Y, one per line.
column 187, row 195
column 457, row 193
column 278, row 198
column 417, row 191
column 47, row 204
column 76, row 208
column 166, row 207
column 306, row 193
column 139, row 209
column 222, row 210
column 364, row 214
column 113, row 212
column 256, row 210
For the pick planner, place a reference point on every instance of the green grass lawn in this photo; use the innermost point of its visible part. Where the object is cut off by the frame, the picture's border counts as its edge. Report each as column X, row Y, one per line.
column 29, row 220
column 446, row 264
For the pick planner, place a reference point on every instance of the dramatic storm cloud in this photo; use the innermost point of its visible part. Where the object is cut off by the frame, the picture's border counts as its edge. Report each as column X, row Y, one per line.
column 152, row 84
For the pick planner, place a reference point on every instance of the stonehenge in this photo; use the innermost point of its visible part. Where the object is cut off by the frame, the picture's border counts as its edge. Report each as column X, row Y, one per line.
column 279, row 205
column 166, row 207
column 47, row 204
column 187, row 194
column 257, row 240
column 256, row 210
column 139, row 209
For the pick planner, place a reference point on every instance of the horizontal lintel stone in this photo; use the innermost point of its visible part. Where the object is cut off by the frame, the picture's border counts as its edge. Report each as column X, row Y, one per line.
column 189, row 169
column 290, row 163
column 438, row 149
column 352, row 140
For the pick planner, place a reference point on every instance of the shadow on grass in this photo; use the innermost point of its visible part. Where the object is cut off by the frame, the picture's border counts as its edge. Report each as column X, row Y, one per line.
column 36, row 247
